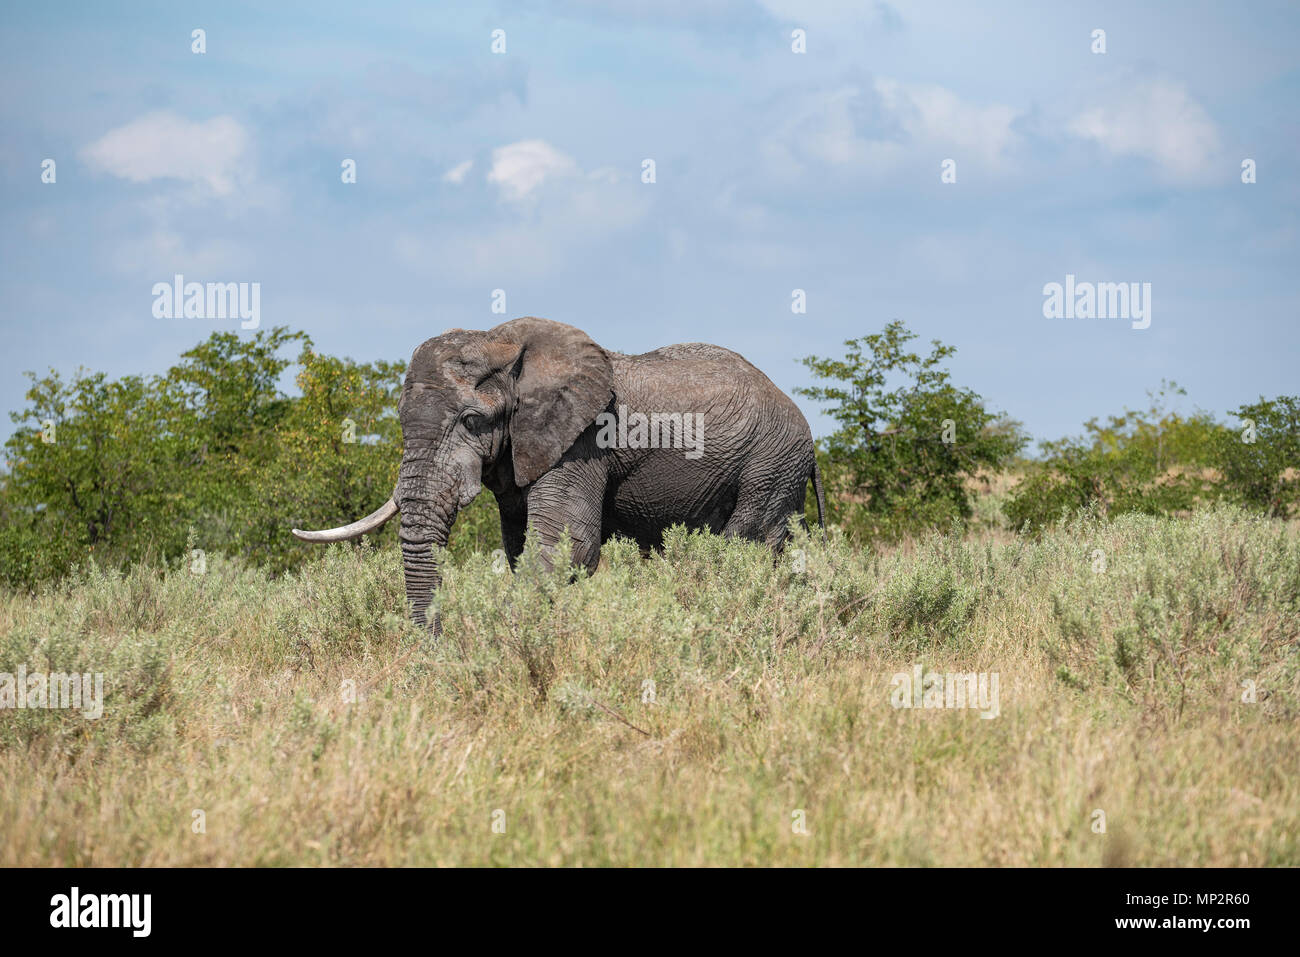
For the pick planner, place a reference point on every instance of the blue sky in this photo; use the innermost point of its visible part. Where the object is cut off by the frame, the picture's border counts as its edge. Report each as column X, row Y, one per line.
column 775, row 171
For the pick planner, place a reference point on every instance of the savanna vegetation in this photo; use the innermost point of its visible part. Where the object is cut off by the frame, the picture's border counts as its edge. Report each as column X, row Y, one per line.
column 1136, row 591
column 679, row 709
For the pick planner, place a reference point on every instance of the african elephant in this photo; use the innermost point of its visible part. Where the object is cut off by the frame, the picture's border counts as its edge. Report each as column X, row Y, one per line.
column 569, row 435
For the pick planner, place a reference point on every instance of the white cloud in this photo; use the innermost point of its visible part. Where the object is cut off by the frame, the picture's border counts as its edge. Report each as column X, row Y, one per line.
column 1156, row 120
column 519, row 168
column 458, row 172
column 164, row 145
column 543, row 229
column 822, row 129
column 935, row 115
column 875, row 129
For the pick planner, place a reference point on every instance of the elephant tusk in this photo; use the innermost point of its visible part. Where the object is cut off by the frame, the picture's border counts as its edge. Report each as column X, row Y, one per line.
column 362, row 525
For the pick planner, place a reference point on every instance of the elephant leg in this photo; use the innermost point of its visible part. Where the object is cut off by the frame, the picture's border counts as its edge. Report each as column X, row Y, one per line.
column 763, row 510
column 782, row 505
column 747, row 518
column 513, row 509
column 570, row 496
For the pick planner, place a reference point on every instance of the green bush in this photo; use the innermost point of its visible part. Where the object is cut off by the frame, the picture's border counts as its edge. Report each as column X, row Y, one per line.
column 211, row 455
column 905, row 452
column 1174, row 606
column 1260, row 462
column 34, row 549
column 477, row 528
column 1150, row 462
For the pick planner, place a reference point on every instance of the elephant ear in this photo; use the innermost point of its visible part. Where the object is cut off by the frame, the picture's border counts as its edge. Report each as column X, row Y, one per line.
column 565, row 381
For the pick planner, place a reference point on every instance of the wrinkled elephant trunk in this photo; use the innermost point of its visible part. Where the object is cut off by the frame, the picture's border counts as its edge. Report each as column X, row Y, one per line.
column 428, row 509
column 422, row 579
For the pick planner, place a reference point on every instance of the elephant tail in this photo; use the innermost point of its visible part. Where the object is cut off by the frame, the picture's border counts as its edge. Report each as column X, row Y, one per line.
column 821, row 497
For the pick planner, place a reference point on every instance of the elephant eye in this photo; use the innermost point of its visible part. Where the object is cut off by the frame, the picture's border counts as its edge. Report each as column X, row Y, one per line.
column 471, row 420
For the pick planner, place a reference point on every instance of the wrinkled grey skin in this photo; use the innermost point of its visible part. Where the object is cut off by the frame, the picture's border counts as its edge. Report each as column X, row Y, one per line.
column 515, row 408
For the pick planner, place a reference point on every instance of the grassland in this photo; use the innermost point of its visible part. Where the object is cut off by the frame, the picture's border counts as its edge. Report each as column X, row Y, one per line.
column 680, row 709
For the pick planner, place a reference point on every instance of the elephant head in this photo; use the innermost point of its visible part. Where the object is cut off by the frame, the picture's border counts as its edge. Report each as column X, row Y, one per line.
column 512, row 399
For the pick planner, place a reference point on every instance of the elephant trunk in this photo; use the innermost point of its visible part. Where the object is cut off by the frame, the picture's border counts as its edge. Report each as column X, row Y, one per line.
column 428, row 508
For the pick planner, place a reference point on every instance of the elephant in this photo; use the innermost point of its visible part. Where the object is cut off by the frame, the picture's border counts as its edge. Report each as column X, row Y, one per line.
column 568, row 435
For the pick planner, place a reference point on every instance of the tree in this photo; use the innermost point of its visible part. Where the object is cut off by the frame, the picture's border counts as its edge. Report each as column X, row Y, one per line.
column 903, row 457
column 337, row 451
column 1260, row 463
column 100, row 457
column 213, row 449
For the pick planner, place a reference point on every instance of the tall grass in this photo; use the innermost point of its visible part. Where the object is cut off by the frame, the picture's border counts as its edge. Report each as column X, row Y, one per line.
column 679, row 709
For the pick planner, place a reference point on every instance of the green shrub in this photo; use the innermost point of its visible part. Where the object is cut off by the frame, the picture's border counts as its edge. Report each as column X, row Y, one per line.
column 1260, row 462
column 34, row 549
column 903, row 456
column 128, row 467
column 1150, row 462
column 1171, row 608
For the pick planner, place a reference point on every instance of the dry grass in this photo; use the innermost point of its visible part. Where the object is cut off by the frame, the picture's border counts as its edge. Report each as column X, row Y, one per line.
column 1120, row 692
